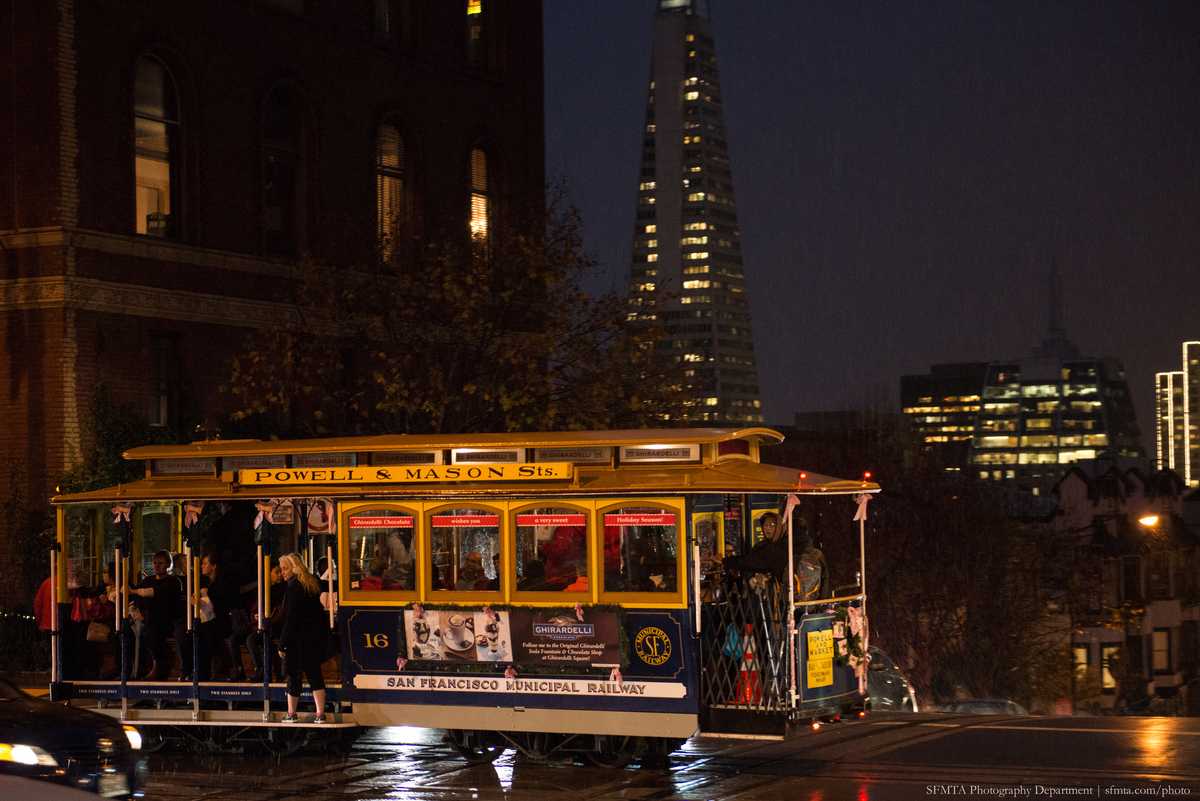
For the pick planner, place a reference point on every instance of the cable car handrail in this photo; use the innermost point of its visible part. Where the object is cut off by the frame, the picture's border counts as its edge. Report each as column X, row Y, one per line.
column 858, row 597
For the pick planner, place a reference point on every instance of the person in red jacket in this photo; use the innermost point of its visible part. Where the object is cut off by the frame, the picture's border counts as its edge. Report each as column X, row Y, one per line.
column 42, row 603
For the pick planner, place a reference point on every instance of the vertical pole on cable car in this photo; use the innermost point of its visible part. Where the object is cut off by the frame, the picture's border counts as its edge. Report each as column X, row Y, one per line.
column 264, row 620
column 191, row 517
column 262, row 591
column 861, row 517
column 791, row 607
column 124, row 626
column 55, row 657
column 193, row 611
column 695, row 558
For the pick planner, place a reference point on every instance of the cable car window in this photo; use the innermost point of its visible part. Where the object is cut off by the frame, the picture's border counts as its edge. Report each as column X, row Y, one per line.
column 552, row 551
column 640, row 547
column 383, row 550
column 158, row 532
column 465, row 549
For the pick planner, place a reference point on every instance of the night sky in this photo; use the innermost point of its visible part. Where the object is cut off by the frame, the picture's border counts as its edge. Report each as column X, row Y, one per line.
column 906, row 174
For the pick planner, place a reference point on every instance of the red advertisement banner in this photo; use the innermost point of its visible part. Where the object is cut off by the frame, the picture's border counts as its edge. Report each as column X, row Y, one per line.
column 639, row 519
column 464, row 521
column 551, row 520
column 382, row 522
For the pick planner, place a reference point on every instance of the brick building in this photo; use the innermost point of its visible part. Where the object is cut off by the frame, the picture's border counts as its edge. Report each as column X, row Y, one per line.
column 162, row 162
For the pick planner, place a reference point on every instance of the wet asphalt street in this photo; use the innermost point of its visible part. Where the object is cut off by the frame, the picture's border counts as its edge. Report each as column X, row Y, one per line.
column 881, row 758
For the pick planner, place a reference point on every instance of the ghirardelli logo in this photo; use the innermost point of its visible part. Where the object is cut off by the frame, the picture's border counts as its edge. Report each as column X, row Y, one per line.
column 563, row 628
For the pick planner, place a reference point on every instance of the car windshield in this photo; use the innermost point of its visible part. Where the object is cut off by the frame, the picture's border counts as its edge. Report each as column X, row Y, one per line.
column 9, row 692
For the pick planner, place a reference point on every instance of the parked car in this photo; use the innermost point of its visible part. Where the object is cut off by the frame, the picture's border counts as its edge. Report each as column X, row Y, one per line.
column 890, row 691
column 984, row 706
column 67, row 745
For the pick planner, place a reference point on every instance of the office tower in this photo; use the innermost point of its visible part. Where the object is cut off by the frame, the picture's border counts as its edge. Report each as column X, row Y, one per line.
column 1040, row 415
column 1177, row 415
column 687, row 266
column 942, row 408
column 1024, row 422
column 1168, row 418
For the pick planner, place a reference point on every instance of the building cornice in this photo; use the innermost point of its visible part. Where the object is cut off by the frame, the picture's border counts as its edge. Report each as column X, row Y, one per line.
column 92, row 295
column 140, row 247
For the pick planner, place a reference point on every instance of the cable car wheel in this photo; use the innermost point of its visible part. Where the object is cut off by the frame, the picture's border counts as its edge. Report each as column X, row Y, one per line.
column 475, row 746
column 613, row 752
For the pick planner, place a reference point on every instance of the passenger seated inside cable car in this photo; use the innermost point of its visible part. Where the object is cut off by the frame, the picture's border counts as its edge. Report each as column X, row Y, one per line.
column 462, row 542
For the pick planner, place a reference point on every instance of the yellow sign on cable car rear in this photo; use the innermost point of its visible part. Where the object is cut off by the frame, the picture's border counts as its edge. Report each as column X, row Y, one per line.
column 408, row 474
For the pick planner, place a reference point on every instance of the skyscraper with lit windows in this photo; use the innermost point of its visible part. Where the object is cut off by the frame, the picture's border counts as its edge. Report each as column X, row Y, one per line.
column 687, row 265
column 1177, row 416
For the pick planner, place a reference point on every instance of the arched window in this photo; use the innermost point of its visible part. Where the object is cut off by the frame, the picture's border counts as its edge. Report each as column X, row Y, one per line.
column 481, row 200
column 389, row 186
column 156, row 149
column 283, row 174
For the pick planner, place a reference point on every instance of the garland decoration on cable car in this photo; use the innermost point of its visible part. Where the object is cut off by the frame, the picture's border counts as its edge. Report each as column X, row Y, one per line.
column 849, row 636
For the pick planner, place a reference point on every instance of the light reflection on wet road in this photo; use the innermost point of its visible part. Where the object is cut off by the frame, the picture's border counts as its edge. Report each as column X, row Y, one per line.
column 883, row 759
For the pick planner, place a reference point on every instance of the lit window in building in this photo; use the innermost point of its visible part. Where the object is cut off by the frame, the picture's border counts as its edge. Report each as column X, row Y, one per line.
column 695, row 226
column 693, row 357
column 696, row 284
column 692, row 96
column 695, row 169
column 1040, row 391
column 696, row 299
column 481, row 211
column 476, row 38
column 389, row 186
column 1108, row 656
column 703, row 254
column 283, row 171
column 696, row 196
column 156, row 148
column 652, row 257
column 695, row 269
column 1039, row 441
column 694, row 240
column 710, row 401
column 1161, row 640
column 1039, row 422
column 650, row 229
column 998, row 442
column 648, row 185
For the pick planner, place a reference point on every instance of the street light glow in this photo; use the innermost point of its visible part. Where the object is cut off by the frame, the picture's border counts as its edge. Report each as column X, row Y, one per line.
column 1149, row 520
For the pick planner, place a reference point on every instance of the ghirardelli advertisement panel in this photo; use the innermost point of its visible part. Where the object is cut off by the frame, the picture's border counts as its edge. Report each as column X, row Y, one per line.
column 530, row 637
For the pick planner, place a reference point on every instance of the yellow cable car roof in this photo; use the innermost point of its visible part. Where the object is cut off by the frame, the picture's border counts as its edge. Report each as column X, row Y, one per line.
column 714, row 473
column 403, row 442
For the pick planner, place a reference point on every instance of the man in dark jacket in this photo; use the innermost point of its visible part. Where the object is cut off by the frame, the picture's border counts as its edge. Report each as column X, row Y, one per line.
column 159, row 605
column 770, row 557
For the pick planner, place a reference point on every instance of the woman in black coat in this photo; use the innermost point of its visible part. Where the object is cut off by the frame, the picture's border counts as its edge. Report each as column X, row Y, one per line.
column 303, row 635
